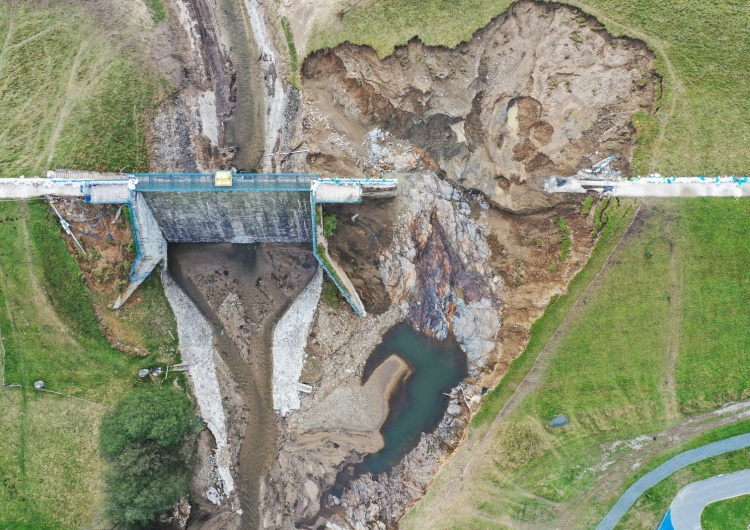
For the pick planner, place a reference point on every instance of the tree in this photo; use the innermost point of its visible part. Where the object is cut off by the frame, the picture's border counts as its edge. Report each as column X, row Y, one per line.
column 145, row 438
column 148, row 413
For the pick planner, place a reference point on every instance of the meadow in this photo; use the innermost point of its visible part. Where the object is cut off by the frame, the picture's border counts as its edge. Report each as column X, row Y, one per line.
column 72, row 94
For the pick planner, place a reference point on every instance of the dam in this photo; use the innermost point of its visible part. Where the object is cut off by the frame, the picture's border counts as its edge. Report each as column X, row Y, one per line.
column 218, row 207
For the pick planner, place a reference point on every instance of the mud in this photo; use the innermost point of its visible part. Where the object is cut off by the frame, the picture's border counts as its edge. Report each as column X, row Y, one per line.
column 213, row 119
column 569, row 88
column 243, row 291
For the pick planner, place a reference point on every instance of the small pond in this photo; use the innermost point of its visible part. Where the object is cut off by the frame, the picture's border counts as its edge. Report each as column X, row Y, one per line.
column 418, row 404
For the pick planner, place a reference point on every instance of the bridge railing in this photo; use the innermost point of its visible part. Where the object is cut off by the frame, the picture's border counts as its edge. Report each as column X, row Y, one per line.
column 240, row 182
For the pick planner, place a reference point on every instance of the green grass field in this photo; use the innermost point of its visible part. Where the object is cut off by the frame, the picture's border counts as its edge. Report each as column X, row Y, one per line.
column 610, row 371
column 727, row 515
column 702, row 47
column 49, row 456
column 69, row 95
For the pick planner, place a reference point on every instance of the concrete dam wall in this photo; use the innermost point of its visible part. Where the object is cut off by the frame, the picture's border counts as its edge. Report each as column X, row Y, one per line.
column 236, row 216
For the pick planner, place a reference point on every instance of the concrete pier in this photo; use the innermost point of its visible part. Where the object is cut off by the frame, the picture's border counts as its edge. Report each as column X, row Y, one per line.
column 199, row 208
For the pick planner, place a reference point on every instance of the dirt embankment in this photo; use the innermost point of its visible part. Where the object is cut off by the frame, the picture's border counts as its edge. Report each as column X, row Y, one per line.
column 541, row 90
column 145, row 324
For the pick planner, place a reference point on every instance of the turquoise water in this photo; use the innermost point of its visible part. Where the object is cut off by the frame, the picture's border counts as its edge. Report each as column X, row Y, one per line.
column 420, row 402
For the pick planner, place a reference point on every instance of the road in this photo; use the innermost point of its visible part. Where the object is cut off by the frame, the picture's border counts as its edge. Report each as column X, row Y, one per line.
column 689, row 503
column 666, row 469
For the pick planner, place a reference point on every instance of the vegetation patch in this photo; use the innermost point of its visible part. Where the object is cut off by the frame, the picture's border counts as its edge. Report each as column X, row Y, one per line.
column 158, row 10
column 330, row 223
column 564, row 238
column 731, row 513
column 69, row 94
column 293, row 58
column 600, row 217
column 145, row 439
column 330, row 293
column 587, row 204
column 519, row 442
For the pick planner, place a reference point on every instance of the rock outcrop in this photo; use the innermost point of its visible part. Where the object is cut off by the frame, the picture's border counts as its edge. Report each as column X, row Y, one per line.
column 438, row 264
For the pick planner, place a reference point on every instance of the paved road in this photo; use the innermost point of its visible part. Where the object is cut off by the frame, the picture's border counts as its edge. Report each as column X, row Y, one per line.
column 666, row 469
column 688, row 505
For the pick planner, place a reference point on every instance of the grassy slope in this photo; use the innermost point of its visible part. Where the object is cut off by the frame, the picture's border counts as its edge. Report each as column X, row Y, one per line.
column 49, row 450
column 728, row 514
column 620, row 337
column 68, row 96
column 714, row 363
column 702, row 45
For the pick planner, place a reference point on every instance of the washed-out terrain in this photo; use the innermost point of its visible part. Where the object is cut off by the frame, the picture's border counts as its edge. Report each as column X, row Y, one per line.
column 470, row 250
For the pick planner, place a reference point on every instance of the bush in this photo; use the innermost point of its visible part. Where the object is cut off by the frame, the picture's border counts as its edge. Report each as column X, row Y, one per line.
column 143, row 481
column 587, row 204
column 330, row 223
column 330, row 293
column 145, row 438
column 161, row 415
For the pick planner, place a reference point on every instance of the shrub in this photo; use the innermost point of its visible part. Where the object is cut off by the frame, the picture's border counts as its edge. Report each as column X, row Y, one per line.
column 148, row 414
column 145, row 438
column 330, row 223
column 330, row 293
column 587, row 204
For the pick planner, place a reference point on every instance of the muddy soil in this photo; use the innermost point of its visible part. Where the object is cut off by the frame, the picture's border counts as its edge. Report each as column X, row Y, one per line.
column 358, row 244
column 243, row 291
column 213, row 119
column 541, row 90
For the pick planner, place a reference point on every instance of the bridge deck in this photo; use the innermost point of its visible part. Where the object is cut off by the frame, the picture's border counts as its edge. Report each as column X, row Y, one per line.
column 240, row 182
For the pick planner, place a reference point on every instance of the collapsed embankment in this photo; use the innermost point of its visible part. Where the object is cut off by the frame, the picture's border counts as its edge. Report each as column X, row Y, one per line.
column 472, row 245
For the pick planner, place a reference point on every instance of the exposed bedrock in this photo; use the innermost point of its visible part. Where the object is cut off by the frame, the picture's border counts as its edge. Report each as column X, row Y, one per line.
column 541, row 90
column 438, row 264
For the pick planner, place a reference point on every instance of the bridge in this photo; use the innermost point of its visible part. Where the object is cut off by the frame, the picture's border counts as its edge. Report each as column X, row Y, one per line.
column 211, row 207
column 651, row 186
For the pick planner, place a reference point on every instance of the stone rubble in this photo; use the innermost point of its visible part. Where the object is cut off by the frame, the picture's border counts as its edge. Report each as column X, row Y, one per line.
column 197, row 351
column 289, row 341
